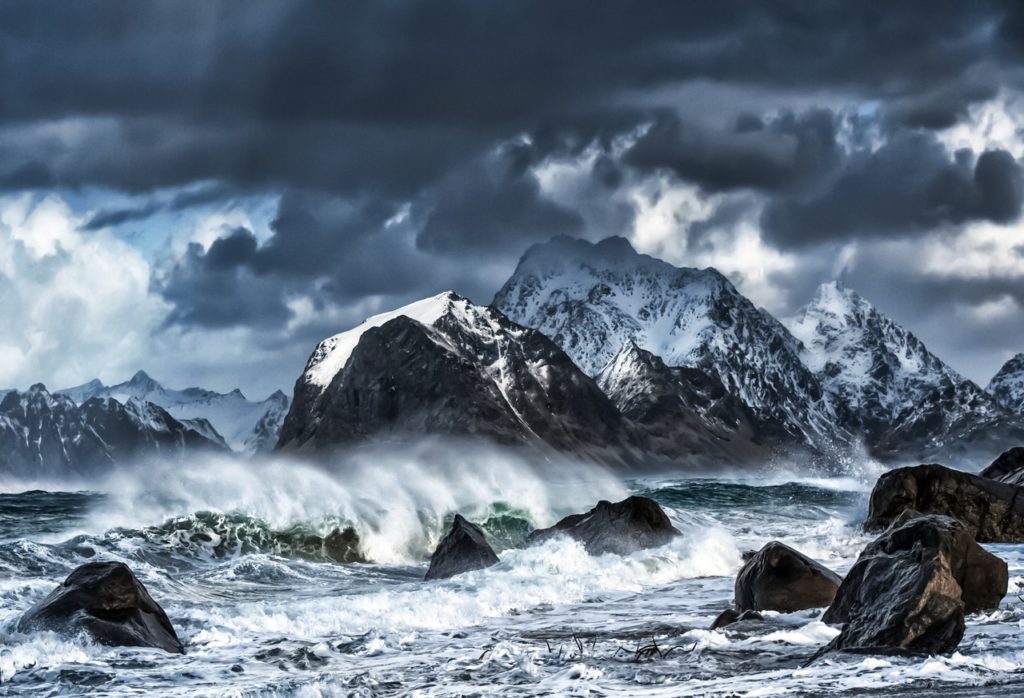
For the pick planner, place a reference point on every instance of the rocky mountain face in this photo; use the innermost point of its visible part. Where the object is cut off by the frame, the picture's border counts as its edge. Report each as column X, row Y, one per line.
column 901, row 399
column 49, row 434
column 246, row 426
column 593, row 299
column 1007, row 386
column 687, row 414
column 445, row 366
column 595, row 349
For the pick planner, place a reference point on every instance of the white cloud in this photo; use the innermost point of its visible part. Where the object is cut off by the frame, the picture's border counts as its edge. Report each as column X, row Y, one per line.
column 997, row 123
column 982, row 250
column 76, row 305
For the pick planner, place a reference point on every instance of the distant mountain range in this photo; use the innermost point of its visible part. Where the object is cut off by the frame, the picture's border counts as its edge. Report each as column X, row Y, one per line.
column 600, row 351
column 44, row 434
column 246, row 426
column 589, row 349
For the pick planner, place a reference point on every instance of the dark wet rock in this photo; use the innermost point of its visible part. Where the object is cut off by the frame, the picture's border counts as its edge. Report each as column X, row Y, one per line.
column 731, row 615
column 779, row 578
column 343, row 545
column 464, row 549
column 910, row 588
column 108, row 602
column 992, row 511
column 1008, row 467
column 635, row 523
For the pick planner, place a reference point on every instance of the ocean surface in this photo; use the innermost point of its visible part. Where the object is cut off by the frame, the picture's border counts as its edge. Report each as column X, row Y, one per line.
column 234, row 553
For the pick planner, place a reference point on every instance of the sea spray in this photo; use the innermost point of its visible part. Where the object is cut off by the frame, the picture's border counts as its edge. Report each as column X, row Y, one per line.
column 396, row 499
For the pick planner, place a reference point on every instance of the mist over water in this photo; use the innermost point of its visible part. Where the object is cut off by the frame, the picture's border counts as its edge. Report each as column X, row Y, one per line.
column 235, row 552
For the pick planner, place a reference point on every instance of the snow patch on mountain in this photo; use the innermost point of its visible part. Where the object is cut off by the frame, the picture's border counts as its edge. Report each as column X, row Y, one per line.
column 330, row 355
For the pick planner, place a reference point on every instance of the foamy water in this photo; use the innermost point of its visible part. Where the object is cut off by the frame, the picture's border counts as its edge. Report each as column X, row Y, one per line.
column 220, row 545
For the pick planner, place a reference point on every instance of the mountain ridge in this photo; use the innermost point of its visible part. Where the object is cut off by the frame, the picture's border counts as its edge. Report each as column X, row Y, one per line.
column 245, row 425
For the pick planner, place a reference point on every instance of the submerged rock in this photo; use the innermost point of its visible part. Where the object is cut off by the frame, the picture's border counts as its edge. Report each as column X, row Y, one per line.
column 635, row 523
column 106, row 600
column 992, row 511
column 1008, row 467
column 779, row 578
column 910, row 588
column 731, row 615
column 464, row 549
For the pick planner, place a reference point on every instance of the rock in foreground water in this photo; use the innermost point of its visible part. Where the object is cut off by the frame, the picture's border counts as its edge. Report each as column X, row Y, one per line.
column 463, row 549
column 992, row 511
column 106, row 600
column 779, row 578
column 910, row 588
column 635, row 523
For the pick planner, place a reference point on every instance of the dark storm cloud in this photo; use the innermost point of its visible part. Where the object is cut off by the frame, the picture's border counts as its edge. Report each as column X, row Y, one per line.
column 216, row 287
column 356, row 96
column 404, row 137
column 910, row 184
column 945, row 105
column 323, row 249
column 779, row 154
column 493, row 206
column 113, row 217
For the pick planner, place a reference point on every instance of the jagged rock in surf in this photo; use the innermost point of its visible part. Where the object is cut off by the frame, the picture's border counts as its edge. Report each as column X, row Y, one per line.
column 343, row 545
column 731, row 615
column 1008, row 467
column 463, row 549
column 910, row 588
column 108, row 602
column 779, row 578
column 992, row 511
column 635, row 523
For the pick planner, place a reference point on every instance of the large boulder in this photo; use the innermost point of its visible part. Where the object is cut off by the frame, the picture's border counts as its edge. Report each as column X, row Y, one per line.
column 109, row 603
column 635, row 523
column 992, row 511
column 1008, row 467
column 463, row 549
column 779, row 578
column 910, row 588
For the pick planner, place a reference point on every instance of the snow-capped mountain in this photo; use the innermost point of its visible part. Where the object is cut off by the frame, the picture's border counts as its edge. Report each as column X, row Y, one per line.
column 687, row 414
column 593, row 299
column 445, row 366
column 1007, row 386
column 49, row 434
column 246, row 426
column 898, row 396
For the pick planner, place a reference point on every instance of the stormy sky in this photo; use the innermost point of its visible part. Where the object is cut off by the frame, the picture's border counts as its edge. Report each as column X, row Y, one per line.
column 204, row 190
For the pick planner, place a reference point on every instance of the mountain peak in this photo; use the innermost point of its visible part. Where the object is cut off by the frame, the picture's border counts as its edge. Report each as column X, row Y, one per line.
column 331, row 354
column 836, row 293
column 1007, row 386
column 142, row 378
